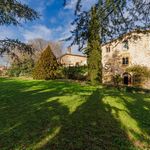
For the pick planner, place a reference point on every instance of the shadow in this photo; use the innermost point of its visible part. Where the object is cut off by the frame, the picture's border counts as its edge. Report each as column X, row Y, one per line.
column 136, row 108
column 136, row 90
column 31, row 110
column 90, row 127
column 139, row 110
column 56, row 115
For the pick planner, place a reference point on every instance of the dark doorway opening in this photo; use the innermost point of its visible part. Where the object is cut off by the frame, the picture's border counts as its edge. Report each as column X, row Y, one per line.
column 126, row 78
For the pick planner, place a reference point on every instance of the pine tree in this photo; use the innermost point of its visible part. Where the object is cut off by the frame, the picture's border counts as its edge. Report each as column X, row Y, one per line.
column 94, row 50
column 46, row 66
column 13, row 12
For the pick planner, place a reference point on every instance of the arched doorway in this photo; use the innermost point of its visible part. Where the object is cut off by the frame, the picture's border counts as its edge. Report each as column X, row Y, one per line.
column 126, row 78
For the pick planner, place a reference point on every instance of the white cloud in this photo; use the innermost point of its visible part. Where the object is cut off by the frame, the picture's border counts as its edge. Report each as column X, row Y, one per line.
column 58, row 29
column 37, row 31
column 71, row 4
column 65, row 34
column 6, row 32
column 39, row 5
column 53, row 20
column 66, row 31
column 86, row 4
column 89, row 3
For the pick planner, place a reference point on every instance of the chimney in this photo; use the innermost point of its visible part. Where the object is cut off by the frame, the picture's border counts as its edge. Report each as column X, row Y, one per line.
column 69, row 50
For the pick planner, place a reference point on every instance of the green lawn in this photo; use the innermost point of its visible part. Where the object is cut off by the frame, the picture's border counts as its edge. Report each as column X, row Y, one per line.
column 57, row 115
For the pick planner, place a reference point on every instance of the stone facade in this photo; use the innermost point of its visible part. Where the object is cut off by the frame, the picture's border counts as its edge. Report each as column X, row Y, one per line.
column 130, row 49
column 73, row 60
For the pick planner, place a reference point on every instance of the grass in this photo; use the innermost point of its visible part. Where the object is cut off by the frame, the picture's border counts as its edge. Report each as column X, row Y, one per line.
column 57, row 115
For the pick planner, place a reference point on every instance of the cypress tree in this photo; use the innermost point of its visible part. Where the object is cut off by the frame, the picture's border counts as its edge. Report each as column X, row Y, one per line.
column 46, row 66
column 115, row 17
column 93, row 51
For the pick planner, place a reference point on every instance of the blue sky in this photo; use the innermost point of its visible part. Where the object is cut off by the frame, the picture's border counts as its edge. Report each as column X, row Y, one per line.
column 54, row 23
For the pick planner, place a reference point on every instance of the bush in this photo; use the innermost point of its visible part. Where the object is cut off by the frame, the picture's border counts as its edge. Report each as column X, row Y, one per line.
column 75, row 72
column 13, row 72
column 1, row 72
column 21, row 68
column 59, row 73
column 117, row 80
column 140, row 74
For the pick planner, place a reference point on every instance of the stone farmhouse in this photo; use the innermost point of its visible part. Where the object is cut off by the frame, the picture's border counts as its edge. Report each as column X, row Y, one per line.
column 70, row 59
column 128, row 50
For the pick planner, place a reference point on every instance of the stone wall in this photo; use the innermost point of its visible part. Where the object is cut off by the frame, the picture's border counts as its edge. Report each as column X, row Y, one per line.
column 73, row 60
column 134, row 46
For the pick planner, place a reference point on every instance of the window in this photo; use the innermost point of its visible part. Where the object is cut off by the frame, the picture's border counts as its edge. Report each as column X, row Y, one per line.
column 108, row 49
column 126, row 44
column 125, row 61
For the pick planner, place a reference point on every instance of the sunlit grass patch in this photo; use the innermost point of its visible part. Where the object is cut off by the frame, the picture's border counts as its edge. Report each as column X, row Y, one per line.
column 62, row 115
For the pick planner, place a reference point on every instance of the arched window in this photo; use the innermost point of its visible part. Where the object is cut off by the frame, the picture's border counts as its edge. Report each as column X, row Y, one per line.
column 125, row 60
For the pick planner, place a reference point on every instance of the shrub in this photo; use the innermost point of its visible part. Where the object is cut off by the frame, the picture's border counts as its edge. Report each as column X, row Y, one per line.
column 60, row 73
column 117, row 80
column 75, row 72
column 21, row 68
column 140, row 74
column 1, row 72
column 47, row 65
column 14, row 70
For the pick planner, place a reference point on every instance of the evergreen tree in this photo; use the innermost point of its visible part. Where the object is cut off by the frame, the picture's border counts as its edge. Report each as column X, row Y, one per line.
column 115, row 18
column 93, row 50
column 46, row 66
column 13, row 12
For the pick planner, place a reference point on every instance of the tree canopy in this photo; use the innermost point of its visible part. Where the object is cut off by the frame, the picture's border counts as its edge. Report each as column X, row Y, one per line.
column 116, row 17
column 13, row 12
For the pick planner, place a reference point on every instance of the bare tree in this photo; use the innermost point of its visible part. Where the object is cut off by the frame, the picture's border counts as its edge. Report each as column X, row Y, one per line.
column 40, row 44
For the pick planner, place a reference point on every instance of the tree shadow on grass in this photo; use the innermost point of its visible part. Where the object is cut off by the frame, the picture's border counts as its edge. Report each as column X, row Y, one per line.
column 135, row 115
column 31, row 110
column 139, row 110
column 90, row 127
column 36, row 118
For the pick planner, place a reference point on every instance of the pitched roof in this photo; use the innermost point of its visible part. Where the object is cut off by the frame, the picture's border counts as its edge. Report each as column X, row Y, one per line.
column 127, row 34
column 72, row 55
